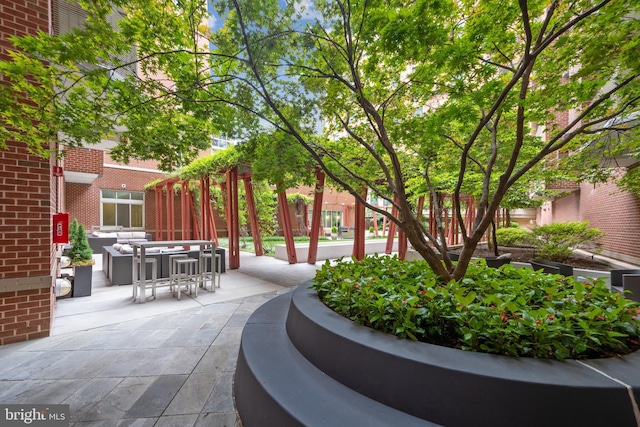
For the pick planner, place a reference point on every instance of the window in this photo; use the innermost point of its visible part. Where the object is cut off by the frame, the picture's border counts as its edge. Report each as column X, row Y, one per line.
column 68, row 15
column 328, row 218
column 122, row 208
column 222, row 143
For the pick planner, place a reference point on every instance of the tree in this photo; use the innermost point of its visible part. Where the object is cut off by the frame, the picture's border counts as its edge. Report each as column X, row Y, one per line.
column 400, row 97
column 80, row 251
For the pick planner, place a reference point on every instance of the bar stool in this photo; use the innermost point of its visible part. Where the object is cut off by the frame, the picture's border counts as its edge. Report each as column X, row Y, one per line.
column 172, row 267
column 188, row 275
column 154, row 276
column 216, row 267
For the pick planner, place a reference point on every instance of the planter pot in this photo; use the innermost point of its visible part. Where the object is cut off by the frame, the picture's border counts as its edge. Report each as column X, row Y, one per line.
column 453, row 256
column 496, row 262
column 334, row 236
column 82, row 280
column 300, row 363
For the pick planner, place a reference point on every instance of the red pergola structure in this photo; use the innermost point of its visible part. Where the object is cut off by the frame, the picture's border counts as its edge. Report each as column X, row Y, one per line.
column 190, row 226
column 204, row 226
column 451, row 224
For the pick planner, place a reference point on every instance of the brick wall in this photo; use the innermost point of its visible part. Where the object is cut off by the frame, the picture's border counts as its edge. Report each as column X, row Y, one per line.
column 85, row 160
column 26, row 196
column 606, row 207
column 83, row 200
column 567, row 208
column 615, row 212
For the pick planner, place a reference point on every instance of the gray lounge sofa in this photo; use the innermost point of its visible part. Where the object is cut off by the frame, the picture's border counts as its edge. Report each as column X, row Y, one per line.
column 99, row 239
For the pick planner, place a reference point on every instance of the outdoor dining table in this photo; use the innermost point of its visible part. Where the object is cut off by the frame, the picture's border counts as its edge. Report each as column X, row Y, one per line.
column 203, row 244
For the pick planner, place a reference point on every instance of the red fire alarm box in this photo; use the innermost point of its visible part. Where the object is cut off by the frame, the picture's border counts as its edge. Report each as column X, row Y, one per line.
column 61, row 227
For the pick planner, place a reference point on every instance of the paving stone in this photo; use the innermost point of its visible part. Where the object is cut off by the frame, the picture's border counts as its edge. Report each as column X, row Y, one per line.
column 156, row 397
column 42, row 363
column 126, row 361
column 89, row 364
column 86, row 396
column 20, row 391
column 185, row 361
column 118, row 401
column 218, row 358
column 219, row 419
column 221, row 399
column 152, row 361
column 193, row 395
column 177, row 420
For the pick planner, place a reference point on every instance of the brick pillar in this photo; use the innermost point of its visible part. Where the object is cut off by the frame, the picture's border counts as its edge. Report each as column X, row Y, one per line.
column 26, row 196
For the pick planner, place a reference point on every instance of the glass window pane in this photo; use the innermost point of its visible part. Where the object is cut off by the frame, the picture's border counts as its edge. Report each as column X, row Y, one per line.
column 137, row 196
column 108, row 194
column 108, row 214
column 136, row 216
column 123, row 194
column 123, row 215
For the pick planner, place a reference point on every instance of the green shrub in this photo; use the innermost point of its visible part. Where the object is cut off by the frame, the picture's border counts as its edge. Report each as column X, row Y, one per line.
column 513, row 237
column 557, row 241
column 508, row 311
column 80, row 251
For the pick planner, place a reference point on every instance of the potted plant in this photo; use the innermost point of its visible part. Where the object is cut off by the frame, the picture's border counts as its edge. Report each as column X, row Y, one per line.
column 80, row 254
column 372, row 233
column 334, row 232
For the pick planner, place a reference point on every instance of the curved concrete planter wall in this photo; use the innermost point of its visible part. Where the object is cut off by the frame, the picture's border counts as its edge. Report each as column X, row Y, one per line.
column 428, row 384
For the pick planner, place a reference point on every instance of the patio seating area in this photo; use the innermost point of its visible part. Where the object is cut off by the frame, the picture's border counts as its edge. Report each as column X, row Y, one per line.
column 117, row 265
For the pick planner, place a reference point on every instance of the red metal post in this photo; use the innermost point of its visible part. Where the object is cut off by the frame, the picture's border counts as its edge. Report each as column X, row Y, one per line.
column 283, row 207
column 358, row 237
column 204, row 198
column 420, row 208
column 195, row 230
column 392, row 232
column 184, row 210
column 345, row 216
column 233, row 223
column 253, row 216
column 171, row 235
column 433, row 228
column 159, row 213
column 212, row 222
column 384, row 224
column 402, row 244
column 316, row 217
column 375, row 223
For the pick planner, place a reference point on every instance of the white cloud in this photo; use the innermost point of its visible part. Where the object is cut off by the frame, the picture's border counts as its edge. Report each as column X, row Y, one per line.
column 307, row 10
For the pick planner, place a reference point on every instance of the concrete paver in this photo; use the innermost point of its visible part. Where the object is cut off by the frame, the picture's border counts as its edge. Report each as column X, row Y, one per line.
column 162, row 363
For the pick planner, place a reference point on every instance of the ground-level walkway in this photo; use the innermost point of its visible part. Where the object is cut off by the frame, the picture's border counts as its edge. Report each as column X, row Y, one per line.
column 162, row 363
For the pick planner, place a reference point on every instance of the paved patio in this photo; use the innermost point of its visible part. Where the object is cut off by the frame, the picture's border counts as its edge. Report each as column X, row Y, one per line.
column 162, row 363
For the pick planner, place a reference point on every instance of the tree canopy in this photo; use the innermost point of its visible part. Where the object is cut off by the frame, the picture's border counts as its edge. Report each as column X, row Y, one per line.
column 400, row 97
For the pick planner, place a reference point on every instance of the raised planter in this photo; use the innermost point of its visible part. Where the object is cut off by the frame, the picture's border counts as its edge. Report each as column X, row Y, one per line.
column 82, row 281
column 433, row 384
